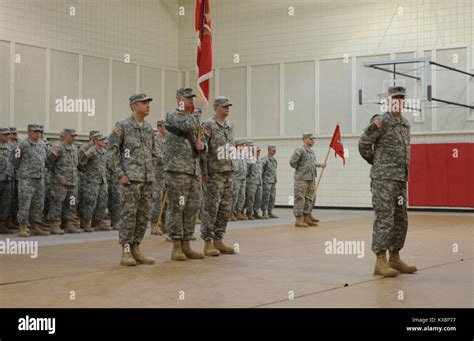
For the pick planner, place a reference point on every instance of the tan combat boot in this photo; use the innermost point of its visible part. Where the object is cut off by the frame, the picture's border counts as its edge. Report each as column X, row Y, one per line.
column 55, row 228
column 265, row 215
column 99, row 225
column 86, row 225
column 70, row 228
column 313, row 218
column 23, row 231
column 219, row 245
column 188, row 252
column 114, row 224
column 4, row 229
column 250, row 216
column 239, row 216
column 210, row 250
column 381, row 266
column 140, row 257
column 300, row 222
column 308, row 220
column 396, row 263
column 177, row 252
column 198, row 220
column 257, row 216
column 233, row 217
column 127, row 258
column 37, row 231
column 155, row 229
column 10, row 224
column 271, row 215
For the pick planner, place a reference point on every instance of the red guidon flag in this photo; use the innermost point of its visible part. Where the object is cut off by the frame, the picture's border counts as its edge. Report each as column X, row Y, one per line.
column 336, row 143
column 204, row 47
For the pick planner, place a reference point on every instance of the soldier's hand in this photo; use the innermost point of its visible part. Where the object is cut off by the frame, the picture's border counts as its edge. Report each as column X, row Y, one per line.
column 124, row 181
column 378, row 122
column 199, row 145
column 323, row 165
column 205, row 178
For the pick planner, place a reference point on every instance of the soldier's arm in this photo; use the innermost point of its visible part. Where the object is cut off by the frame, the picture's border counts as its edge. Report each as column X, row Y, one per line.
column 183, row 121
column 52, row 156
column 295, row 158
column 368, row 138
column 114, row 152
column 85, row 156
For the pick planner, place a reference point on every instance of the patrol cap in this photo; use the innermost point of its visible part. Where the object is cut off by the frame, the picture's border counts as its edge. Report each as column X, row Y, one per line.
column 140, row 98
column 160, row 123
column 98, row 136
column 4, row 131
column 13, row 130
column 272, row 147
column 239, row 142
column 69, row 131
column 185, row 92
column 309, row 136
column 92, row 133
column 258, row 148
column 372, row 119
column 396, row 91
column 221, row 101
column 41, row 127
column 34, row 127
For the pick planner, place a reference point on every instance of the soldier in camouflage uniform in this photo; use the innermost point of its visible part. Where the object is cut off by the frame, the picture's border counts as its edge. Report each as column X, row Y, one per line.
column 114, row 203
column 182, row 173
column 6, row 176
column 29, row 158
column 12, row 220
column 304, row 162
column 159, row 186
column 94, row 199
column 62, row 161
column 47, row 182
column 80, row 190
column 269, row 176
column 131, row 151
column 239, row 183
column 385, row 144
column 217, row 177
column 253, row 194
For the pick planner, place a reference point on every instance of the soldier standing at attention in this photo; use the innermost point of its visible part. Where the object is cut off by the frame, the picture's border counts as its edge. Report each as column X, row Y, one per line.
column 304, row 162
column 217, row 176
column 29, row 159
column 269, row 176
column 131, row 153
column 385, row 144
column 159, row 186
column 92, row 162
column 182, row 172
column 12, row 220
column 62, row 161
column 6, row 176
column 239, row 183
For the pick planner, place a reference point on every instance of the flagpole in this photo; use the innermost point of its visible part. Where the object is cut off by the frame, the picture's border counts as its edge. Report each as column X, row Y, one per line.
column 325, row 162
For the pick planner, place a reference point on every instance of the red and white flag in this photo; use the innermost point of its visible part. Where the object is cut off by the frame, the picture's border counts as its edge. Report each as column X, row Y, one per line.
column 204, row 48
column 336, row 143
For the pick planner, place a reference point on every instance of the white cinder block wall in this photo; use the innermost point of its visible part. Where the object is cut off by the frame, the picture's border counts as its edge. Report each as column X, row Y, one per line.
column 300, row 58
column 97, row 49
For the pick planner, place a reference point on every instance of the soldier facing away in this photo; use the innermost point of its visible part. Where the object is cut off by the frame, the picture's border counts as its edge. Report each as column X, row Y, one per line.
column 385, row 144
column 269, row 176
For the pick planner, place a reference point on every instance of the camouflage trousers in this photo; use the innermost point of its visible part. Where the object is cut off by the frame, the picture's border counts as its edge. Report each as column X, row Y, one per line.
column 304, row 195
column 238, row 194
column 63, row 202
column 5, row 199
column 136, row 211
column 30, row 200
column 114, row 204
column 217, row 205
column 93, row 201
column 389, row 200
column 184, row 204
column 158, row 192
column 14, row 203
column 268, row 196
column 47, row 193
column 253, row 197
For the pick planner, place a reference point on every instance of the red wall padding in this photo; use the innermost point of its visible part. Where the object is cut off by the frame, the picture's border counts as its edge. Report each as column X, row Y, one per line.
column 439, row 178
